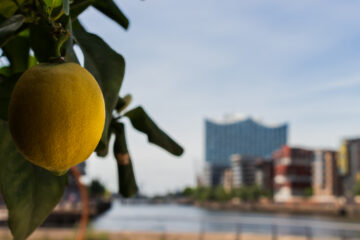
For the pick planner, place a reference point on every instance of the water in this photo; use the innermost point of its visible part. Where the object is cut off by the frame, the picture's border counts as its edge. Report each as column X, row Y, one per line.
column 179, row 218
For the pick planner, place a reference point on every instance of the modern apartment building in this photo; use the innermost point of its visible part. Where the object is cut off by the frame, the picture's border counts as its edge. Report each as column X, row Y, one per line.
column 243, row 170
column 293, row 173
column 349, row 164
column 326, row 179
column 213, row 174
column 227, row 179
column 264, row 173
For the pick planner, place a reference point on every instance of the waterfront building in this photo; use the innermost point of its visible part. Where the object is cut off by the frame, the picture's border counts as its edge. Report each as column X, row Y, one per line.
column 227, row 179
column 292, row 173
column 326, row 179
column 246, row 137
column 264, row 173
column 243, row 170
column 213, row 174
column 349, row 165
column 243, row 136
column 343, row 159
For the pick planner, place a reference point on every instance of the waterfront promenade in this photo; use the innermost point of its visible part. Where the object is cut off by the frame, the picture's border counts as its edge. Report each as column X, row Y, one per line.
column 69, row 234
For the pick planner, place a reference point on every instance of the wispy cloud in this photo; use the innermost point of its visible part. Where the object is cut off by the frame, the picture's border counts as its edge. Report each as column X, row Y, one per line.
column 345, row 83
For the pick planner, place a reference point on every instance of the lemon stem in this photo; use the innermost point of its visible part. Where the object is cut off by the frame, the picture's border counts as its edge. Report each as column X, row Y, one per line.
column 59, row 44
column 59, row 15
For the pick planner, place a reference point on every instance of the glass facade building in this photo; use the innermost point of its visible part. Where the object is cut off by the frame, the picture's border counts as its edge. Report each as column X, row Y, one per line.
column 245, row 137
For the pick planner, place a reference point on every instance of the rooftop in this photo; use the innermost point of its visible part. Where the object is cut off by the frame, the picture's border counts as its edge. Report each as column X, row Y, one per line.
column 239, row 117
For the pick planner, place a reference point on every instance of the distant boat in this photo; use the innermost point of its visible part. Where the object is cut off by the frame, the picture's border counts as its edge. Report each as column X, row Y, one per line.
column 66, row 214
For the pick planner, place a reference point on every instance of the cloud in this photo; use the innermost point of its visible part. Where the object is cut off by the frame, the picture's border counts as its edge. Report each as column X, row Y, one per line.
column 344, row 83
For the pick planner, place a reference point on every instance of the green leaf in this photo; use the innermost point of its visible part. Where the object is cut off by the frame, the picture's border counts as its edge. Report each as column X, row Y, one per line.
column 103, row 147
column 6, row 86
column 5, row 71
column 78, row 7
column 30, row 192
column 32, row 61
column 10, row 27
column 142, row 122
column 110, row 9
column 127, row 182
column 8, row 7
column 66, row 6
column 123, row 103
column 108, row 68
column 53, row 3
column 17, row 51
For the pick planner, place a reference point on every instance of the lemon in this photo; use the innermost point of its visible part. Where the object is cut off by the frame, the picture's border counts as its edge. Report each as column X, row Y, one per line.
column 56, row 115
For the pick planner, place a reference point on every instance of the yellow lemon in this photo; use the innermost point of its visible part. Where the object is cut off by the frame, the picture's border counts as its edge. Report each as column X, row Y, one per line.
column 56, row 115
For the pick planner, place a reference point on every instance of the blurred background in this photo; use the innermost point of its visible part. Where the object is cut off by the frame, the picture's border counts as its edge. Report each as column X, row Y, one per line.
column 264, row 98
column 277, row 62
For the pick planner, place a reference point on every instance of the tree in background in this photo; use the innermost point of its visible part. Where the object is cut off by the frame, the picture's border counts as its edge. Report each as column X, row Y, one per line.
column 96, row 189
column 308, row 192
column 218, row 193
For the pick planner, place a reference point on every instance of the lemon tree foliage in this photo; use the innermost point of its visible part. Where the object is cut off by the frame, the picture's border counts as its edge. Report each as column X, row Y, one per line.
column 30, row 192
column 6, row 86
column 17, row 52
column 10, row 27
column 127, row 183
column 142, row 122
column 108, row 67
column 45, row 32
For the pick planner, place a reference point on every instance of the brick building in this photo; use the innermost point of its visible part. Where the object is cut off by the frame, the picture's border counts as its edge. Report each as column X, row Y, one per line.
column 292, row 173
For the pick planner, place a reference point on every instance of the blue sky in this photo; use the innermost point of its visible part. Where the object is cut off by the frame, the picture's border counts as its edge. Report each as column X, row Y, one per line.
column 281, row 61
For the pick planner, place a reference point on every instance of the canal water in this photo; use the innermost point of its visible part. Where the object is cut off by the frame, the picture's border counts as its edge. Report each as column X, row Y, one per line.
column 181, row 218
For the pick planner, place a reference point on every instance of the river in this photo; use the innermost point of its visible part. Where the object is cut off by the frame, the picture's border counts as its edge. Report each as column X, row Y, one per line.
column 180, row 218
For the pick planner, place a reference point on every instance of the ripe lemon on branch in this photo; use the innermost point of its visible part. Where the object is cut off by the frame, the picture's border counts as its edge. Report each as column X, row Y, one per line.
column 56, row 115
